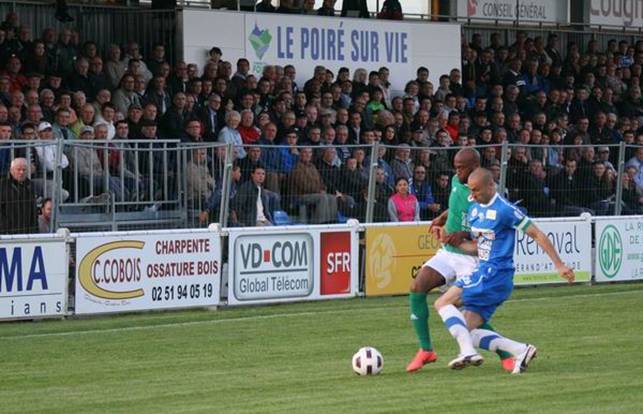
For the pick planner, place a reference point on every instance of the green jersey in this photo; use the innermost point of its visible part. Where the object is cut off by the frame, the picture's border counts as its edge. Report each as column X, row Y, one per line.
column 459, row 202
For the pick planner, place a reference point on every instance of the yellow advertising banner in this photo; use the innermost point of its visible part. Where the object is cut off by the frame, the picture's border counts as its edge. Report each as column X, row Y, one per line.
column 394, row 255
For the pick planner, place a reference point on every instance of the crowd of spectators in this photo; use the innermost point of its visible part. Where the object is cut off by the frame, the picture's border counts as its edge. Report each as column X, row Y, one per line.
column 528, row 93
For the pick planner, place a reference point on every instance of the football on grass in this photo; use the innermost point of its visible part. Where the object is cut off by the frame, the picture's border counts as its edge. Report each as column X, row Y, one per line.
column 368, row 361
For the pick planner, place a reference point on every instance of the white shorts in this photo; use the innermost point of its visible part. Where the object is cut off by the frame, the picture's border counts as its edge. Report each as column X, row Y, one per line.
column 452, row 266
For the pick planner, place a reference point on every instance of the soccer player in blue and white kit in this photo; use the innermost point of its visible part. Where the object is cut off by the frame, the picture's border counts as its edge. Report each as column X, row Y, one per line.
column 493, row 222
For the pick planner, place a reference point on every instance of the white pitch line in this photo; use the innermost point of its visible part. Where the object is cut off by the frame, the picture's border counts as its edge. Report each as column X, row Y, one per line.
column 282, row 315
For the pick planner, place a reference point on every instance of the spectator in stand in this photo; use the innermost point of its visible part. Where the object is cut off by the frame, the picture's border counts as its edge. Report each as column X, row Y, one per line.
column 306, row 185
column 600, row 189
column 43, row 177
column 230, row 135
column 327, row 8
column 535, row 193
column 402, row 165
column 192, row 131
column 125, row 95
column 173, row 121
column 265, row 6
column 212, row 116
column 251, row 202
column 87, row 118
column 403, row 206
column 637, row 162
column 391, row 10
column 566, row 191
column 250, row 134
column 44, row 218
column 420, row 187
column 200, row 183
column 18, row 210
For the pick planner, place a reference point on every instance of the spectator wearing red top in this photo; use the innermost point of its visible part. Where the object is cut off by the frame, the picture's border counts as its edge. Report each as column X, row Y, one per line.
column 453, row 125
column 403, row 206
column 12, row 70
column 250, row 134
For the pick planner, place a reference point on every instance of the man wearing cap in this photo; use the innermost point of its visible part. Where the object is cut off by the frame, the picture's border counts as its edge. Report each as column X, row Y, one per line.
column 43, row 177
column 90, row 169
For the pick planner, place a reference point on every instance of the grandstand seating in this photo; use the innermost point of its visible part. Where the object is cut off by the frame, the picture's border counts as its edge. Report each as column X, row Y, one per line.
column 123, row 138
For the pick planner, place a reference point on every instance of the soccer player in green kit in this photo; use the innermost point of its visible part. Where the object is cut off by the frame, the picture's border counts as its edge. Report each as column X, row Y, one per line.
column 449, row 263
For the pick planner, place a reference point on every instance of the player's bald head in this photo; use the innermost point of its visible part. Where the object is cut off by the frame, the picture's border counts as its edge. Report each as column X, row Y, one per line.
column 481, row 176
column 465, row 161
column 482, row 185
column 468, row 157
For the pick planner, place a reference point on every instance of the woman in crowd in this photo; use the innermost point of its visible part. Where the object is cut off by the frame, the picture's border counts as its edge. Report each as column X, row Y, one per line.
column 250, row 134
column 403, row 206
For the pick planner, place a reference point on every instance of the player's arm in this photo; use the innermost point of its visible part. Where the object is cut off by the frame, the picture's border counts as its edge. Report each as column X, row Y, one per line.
column 535, row 233
column 456, row 238
column 436, row 225
column 469, row 247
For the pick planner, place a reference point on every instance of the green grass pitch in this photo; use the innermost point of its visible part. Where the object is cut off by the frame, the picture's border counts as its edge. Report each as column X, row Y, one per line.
column 296, row 359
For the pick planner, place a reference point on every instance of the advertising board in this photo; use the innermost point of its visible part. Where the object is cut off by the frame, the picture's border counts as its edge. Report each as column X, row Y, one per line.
column 511, row 11
column 572, row 239
column 284, row 264
column 307, row 41
column 122, row 272
column 619, row 248
column 394, row 255
column 33, row 277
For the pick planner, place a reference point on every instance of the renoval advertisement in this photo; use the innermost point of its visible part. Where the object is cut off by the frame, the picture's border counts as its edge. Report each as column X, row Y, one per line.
column 33, row 277
column 626, row 14
column 307, row 41
column 286, row 264
column 619, row 248
column 572, row 239
column 122, row 272
column 512, row 11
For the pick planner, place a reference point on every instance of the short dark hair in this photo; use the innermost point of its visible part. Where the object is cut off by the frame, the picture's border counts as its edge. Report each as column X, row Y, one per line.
column 257, row 167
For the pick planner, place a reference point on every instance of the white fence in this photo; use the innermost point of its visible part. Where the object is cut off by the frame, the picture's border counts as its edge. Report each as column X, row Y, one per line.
column 172, row 269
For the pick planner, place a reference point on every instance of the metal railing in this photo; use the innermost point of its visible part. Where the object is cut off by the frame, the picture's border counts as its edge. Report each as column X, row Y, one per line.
column 138, row 184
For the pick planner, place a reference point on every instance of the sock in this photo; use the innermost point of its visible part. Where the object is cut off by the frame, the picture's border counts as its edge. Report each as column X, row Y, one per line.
column 420, row 319
column 492, row 341
column 455, row 323
column 501, row 354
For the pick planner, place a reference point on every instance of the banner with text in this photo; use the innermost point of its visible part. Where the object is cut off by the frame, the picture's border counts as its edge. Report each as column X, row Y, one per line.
column 33, row 278
column 511, row 11
column 286, row 264
column 147, row 270
column 394, row 255
column 626, row 14
column 619, row 248
column 307, row 41
column 572, row 239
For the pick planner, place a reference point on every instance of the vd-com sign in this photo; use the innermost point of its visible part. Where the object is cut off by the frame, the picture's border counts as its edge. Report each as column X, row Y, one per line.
column 274, row 266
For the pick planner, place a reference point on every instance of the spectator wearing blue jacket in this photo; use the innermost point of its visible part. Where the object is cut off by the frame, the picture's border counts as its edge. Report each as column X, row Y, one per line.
column 290, row 154
column 532, row 81
column 420, row 187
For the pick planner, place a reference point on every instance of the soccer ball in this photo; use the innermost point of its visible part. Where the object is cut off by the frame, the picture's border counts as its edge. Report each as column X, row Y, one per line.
column 368, row 361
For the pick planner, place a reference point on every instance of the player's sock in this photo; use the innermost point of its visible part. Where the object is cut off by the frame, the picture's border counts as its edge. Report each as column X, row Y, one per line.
column 501, row 354
column 455, row 323
column 493, row 341
column 420, row 319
